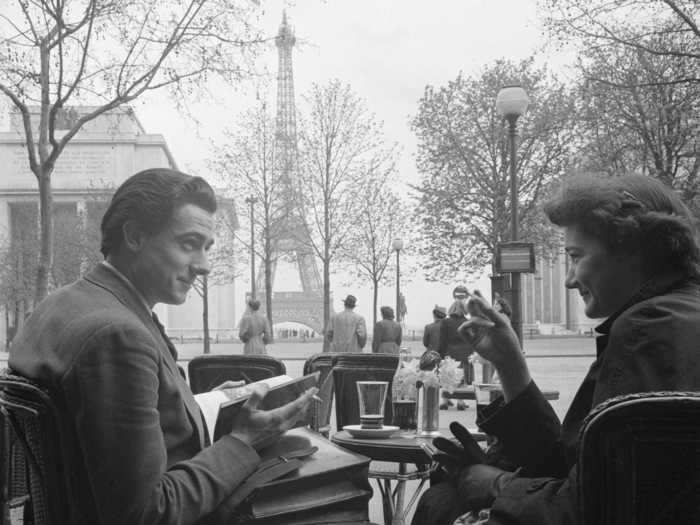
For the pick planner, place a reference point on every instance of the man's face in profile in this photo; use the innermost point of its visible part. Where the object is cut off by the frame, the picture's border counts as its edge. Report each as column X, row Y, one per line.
column 169, row 261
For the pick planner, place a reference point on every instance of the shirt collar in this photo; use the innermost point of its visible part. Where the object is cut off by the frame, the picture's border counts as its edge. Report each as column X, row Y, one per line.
column 125, row 280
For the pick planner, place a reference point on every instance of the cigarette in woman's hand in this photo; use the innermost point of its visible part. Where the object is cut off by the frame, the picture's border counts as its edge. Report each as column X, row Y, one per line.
column 317, row 399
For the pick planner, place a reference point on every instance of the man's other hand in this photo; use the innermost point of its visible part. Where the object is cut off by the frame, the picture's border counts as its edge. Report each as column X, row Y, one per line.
column 260, row 428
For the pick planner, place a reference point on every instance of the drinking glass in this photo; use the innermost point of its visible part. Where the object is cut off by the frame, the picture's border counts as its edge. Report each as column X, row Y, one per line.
column 372, row 396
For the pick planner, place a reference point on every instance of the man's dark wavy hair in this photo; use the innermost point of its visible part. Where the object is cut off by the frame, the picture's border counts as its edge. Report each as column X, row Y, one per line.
column 149, row 198
column 628, row 214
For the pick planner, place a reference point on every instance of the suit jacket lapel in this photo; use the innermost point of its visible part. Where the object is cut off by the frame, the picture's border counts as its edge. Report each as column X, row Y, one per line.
column 105, row 278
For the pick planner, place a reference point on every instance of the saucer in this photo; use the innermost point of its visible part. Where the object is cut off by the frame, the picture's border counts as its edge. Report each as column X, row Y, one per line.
column 357, row 431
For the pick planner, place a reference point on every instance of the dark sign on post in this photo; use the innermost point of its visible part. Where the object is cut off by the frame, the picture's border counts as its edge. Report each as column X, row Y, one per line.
column 515, row 257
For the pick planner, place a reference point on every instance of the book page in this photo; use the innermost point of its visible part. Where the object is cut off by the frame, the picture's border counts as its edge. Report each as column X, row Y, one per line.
column 210, row 403
column 283, row 389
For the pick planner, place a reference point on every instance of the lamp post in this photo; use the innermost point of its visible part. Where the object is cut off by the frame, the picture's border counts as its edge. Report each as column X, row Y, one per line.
column 251, row 201
column 397, row 245
column 511, row 102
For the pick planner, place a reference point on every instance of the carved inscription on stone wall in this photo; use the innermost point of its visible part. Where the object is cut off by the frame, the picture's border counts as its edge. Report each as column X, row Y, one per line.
column 82, row 162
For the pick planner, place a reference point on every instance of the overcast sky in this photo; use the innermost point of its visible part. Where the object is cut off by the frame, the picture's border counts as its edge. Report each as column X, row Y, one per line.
column 388, row 51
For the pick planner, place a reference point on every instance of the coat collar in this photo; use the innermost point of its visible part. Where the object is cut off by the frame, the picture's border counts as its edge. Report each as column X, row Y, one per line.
column 655, row 286
column 108, row 279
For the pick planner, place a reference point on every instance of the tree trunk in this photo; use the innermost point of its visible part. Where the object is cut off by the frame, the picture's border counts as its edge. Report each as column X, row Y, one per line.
column 375, row 293
column 326, row 303
column 45, row 236
column 205, row 313
column 268, row 289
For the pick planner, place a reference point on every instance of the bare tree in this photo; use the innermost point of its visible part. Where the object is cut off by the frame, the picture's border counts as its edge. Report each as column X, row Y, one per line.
column 635, row 121
column 383, row 216
column 224, row 261
column 102, row 54
column 341, row 150
column 246, row 158
column 464, row 206
column 642, row 26
column 75, row 251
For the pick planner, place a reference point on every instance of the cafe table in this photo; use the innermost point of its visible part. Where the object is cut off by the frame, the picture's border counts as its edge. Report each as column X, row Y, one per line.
column 410, row 452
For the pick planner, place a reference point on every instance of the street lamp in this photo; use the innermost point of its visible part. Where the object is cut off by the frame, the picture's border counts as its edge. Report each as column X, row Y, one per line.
column 397, row 245
column 251, row 201
column 511, row 102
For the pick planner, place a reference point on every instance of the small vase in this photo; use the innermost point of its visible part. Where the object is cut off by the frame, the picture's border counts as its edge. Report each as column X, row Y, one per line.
column 428, row 411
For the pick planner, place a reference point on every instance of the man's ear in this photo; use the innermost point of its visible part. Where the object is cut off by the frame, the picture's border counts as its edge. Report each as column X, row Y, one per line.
column 134, row 237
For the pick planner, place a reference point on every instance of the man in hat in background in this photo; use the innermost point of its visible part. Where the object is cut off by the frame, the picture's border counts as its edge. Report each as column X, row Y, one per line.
column 431, row 332
column 460, row 292
column 347, row 331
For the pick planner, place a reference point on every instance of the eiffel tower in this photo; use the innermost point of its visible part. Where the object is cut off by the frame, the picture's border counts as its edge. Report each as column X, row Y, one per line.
column 305, row 307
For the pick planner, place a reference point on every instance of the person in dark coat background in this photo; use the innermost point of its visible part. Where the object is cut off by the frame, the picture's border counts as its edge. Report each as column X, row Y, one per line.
column 454, row 345
column 431, row 332
column 634, row 258
column 387, row 333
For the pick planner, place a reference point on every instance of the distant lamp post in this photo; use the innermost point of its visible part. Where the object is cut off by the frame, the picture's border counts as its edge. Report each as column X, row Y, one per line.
column 397, row 245
column 511, row 103
column 251, row 202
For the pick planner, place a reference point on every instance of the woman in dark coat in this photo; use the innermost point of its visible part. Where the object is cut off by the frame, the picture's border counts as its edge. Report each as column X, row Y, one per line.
column 454, row 345
column 387, row 333
column 635, row 261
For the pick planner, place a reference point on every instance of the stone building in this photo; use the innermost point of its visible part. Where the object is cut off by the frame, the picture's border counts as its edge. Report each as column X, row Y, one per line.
column 105, row 152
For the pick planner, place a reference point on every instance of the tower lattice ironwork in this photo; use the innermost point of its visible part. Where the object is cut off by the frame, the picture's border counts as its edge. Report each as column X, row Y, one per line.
column 304, row 307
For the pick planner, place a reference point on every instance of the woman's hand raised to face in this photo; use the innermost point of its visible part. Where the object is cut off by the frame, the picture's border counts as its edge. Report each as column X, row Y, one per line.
column 494, row 339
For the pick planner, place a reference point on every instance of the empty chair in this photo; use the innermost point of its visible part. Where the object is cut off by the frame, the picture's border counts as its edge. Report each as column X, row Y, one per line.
column 350, row 368
column 322, row 362
column 639, row 460
column 35, row 480
column 208, row 371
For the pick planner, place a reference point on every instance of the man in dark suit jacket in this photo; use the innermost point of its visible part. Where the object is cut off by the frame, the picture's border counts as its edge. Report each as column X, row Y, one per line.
column 431, row 332
column 140, row 453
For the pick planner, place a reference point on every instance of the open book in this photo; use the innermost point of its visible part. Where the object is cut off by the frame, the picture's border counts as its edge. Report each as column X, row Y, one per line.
column 220, row 407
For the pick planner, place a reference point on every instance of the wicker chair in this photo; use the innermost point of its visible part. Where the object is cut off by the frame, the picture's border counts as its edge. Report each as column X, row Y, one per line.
column 350, row 368
column 36, row 486
column 208, row 371
column 322, row 362
column 639, row 460
column 320, row 416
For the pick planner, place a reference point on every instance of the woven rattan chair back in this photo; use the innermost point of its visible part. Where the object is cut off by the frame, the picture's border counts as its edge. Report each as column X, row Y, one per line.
column 320, row 415
column 35, row 485
column 208, row 371
column 322, row 362
column 639, row 460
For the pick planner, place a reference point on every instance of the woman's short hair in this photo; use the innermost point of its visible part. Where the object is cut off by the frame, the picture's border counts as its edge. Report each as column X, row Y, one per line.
column 631, row 213
column 459, row 307
column 149, row 199
column 387, row 312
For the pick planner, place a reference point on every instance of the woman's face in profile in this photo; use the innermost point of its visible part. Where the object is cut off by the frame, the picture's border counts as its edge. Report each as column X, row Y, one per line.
column 605, row 280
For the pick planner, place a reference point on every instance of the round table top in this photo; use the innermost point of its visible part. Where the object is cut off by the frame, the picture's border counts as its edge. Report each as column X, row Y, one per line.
column 396, row 447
